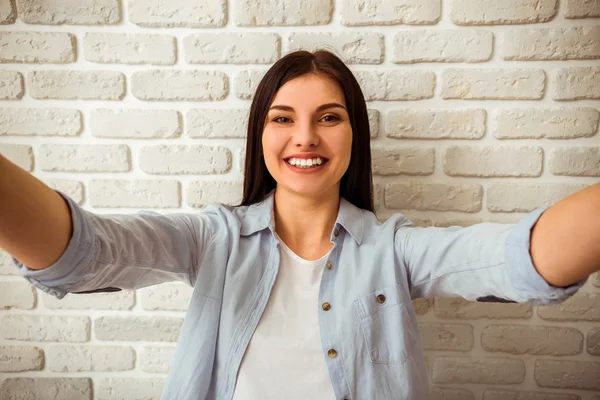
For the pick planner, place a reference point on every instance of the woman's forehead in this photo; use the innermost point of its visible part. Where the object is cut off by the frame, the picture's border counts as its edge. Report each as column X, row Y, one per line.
column 308, row 90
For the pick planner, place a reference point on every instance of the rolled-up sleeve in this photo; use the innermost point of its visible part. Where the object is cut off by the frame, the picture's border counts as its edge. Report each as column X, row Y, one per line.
column 124, row 251
column 482, row 262
column 521, row 270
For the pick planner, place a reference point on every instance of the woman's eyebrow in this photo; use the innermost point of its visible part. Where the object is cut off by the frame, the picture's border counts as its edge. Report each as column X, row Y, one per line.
column 320, row 108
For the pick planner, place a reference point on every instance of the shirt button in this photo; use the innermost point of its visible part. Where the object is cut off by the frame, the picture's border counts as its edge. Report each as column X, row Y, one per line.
column 381, row 299
column 329, row 265
column 332, row 353
column 336, row 232
column 326, row 306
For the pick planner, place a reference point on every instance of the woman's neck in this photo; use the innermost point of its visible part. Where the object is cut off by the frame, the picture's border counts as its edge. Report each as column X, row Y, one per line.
column 305, row 223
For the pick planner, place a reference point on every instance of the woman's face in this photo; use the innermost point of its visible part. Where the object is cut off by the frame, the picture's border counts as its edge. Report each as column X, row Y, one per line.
column 307, row 138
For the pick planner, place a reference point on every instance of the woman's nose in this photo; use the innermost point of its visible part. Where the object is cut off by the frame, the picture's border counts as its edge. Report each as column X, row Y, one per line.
column 306, row 135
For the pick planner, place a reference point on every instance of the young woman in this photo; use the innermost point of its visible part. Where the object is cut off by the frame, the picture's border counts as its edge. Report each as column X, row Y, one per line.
column 299, row 292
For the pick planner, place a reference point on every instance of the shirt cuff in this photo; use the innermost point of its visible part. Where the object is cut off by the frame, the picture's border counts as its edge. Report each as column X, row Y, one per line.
column 521, row 271
column 59, row 278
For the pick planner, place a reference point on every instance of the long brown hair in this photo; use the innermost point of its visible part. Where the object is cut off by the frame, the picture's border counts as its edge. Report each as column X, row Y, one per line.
column 356, row 184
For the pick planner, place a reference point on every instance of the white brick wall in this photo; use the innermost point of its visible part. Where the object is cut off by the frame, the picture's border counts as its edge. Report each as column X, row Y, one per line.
column 480, row 110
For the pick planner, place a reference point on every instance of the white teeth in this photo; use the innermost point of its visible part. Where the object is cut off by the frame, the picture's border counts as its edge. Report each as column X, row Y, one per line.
column 305, row 162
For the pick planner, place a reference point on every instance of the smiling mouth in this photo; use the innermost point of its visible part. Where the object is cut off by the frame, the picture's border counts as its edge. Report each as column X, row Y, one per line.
column 306, row 162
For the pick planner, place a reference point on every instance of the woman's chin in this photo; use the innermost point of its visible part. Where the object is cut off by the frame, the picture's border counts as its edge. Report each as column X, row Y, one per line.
column 308, row 189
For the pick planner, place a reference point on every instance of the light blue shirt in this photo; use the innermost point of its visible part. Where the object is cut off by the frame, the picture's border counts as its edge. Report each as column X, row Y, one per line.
column 371, row 343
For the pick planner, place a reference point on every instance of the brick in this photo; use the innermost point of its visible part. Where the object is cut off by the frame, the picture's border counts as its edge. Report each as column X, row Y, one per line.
column 582, row 375
column 246, row 82
column 8, row 12
column 493, row 84
column 451, row 394
column 59, row 12
column 551, row 123
column 282, row 12
column 122, row 48
column 203, row 193
column 435, row 124
column 377, row 193
column 136, row 328
column 73, row 189
column 166, row 297
column 526, row 197
column 40, row 121
column 7, row 267
column 490, row 161
column 582, row 9
column 593, row 341
column 434, row 196
column 577, row 83
column 138, row 193
column 123, row 300
column 241, row 153
column 21, row 295
column 407, row 160
column 373, row 122
column 575, row 161
column 179, row 85
column 45, row 328
column 396, row 84
column 458, row 308
column 502, row 394
column 536, row 340
column 135, row 123
column 84, row 158
column 129, row 388
column 493, row 12
column 73, row 85
column 178, row 13
column 37, row 47
column 21, row 358
column 11, row 85
column 580, row 307
column 575, row 43
column 490, row 370
column 390, row 12
column 156, row 359
column 19, row 154
column 232, row 48
column 217, row 123
column 421, row 306
column 452, row 337
column 442, row 45
column 46, row 388
column 351, row 47
column 193, row 159
column 90, row 358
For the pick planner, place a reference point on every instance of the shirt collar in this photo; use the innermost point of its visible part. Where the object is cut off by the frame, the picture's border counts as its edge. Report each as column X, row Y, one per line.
column 260, row 216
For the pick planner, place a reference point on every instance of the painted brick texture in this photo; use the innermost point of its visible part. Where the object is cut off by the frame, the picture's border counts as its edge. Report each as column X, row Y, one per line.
column 479, row 111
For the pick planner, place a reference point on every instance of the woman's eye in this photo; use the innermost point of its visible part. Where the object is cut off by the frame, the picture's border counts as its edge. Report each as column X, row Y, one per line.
column 330, row 118
column 281, row 120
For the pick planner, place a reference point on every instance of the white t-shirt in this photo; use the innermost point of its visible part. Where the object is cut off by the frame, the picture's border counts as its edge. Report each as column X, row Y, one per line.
column 285, row 359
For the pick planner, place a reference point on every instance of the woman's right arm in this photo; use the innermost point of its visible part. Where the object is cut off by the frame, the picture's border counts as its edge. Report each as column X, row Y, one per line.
column 62, row 248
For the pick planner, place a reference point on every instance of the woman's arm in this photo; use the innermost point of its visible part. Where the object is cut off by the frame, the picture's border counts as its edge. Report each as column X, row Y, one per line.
column 77, row 251
column 565, row 241
column 35, row 221
column 493, row 262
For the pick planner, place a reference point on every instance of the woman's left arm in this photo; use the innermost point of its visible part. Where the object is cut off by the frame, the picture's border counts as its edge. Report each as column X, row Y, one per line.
column 565, row 241
column 543, row 259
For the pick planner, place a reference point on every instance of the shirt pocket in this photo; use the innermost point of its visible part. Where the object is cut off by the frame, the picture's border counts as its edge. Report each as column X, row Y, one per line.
column 385, row 325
